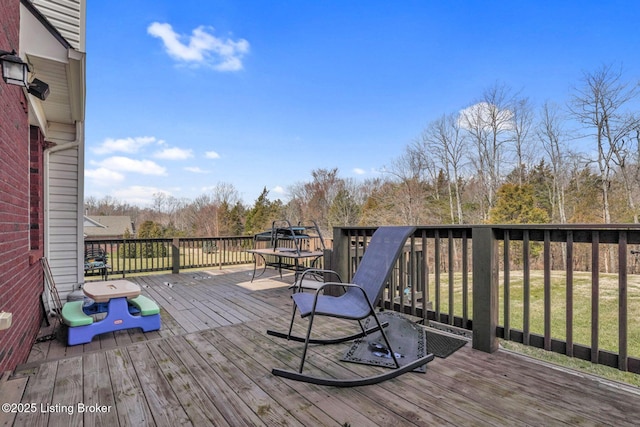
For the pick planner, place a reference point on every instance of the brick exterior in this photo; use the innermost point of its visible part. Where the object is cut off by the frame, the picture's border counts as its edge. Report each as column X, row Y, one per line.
column 21, row 207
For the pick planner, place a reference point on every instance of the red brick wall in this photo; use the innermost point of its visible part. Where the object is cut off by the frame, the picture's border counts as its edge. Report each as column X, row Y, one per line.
column 21, row 280
column 36, row 185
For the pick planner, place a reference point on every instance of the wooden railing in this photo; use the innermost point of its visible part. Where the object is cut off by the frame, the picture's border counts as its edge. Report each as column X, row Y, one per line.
column 130, row 256
column 570, row 289
column 127, row 256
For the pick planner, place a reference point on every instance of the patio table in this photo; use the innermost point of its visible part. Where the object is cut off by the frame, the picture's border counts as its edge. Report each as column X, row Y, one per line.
column 281, row 254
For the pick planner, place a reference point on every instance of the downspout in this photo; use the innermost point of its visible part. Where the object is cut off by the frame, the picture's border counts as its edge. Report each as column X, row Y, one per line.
column 69, row 145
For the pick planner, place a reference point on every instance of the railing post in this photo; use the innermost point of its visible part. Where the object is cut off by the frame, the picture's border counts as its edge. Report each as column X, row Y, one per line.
column 175, row 254
column 485, row 289
column 340, row 258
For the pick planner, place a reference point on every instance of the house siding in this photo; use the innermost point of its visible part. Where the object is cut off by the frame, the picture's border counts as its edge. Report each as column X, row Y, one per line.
column 68, row 17
column 64, row 175
column 64, row 161
column 21, row 281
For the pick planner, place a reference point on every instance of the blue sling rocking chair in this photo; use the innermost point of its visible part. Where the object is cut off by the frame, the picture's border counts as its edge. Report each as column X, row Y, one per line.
column 356, row 303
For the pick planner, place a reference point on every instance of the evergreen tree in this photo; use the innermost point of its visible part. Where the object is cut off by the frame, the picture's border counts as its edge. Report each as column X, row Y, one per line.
column 516, row 204
column 263, row 213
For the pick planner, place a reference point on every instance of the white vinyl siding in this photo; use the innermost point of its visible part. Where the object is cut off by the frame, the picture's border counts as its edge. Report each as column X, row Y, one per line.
column 64, row 227
column 67, row 16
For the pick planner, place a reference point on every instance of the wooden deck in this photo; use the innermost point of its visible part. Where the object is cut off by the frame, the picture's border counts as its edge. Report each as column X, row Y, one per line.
column 210, row 365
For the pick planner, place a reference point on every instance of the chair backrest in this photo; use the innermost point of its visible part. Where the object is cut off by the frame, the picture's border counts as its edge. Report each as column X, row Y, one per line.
column 95, row 254
column 379, row 258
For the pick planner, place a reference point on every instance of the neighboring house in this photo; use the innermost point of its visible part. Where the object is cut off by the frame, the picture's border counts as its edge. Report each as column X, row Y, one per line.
column 42, row 163
column 107, row 227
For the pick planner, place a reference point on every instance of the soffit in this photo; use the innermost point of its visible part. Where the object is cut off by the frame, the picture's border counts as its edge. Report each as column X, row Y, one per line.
column 56, row 63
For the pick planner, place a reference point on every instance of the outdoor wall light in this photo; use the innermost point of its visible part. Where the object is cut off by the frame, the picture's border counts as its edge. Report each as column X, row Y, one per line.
column 14, row 70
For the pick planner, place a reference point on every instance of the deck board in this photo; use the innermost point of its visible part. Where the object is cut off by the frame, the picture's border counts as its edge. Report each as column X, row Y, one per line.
column 130, row 400
column 158, row 391
column 221, row 392
column 336, row 405
column 210, row 364
column 97, row 390
column 39, row 390
column 199, row 409
column 12, row 391
column 349, row 370
column 256, row 398
column 67, row 391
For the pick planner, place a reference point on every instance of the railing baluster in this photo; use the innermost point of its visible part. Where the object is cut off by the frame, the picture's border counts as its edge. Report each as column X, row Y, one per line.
column 622, row 301
column 465, row 279
column 506, row 284
column 451, row 268
column 526, row 288
column 436, row 262
column 401, row 284
column 569, row 293
column 595, row 293
column 413, row 276
column 547, row 289
column 424, row 277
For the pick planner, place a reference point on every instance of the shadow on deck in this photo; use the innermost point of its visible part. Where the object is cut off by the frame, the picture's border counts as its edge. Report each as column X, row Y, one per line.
column 210, row 365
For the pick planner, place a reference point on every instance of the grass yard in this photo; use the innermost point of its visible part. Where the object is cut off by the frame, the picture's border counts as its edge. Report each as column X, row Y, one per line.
column 608, row 304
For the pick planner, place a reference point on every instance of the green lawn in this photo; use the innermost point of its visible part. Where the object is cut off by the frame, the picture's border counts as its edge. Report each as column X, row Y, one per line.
column 608, row 314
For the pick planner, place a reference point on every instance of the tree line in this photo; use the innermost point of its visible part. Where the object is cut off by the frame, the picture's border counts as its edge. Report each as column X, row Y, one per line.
column 499, row 160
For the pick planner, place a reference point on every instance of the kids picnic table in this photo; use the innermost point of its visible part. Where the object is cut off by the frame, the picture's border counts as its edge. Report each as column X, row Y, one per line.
column 125, row 307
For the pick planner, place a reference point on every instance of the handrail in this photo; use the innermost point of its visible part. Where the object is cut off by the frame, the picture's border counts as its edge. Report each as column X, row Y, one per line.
column 570, row 289
column 128, row 256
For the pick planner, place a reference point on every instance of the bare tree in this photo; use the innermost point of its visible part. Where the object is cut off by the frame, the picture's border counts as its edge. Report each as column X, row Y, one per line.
column 524, row 147
column 626, row 154
column 224, row 192
column 444, row 141
column 599, row 104
column 489, row 124
column 208, row 214
column 109, row 205
column 202, row 215
column 409, row 196
column 552, row 137
column 313, row 199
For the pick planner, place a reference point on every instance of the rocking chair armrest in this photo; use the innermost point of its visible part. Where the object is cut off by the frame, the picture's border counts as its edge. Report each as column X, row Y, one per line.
column 299, row 284
column 320, row 270
column 345, row 285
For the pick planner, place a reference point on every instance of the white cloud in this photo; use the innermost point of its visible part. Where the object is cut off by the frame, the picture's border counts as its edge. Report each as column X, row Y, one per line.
column 124, row 145
column 137, row 194
column 174, row 154
column 212, row 155
column 482, row 114
column 359, row 171
column 104, row 176
column 202, row 48
column 125, row 164
column 278, row 190
column 195, row 169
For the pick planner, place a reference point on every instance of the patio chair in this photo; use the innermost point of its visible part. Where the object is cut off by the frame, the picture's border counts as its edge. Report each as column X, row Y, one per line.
column 96, row 259
column 356, row 303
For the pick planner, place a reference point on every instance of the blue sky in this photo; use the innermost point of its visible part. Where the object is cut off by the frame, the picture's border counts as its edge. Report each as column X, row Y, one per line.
column 183, row 95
